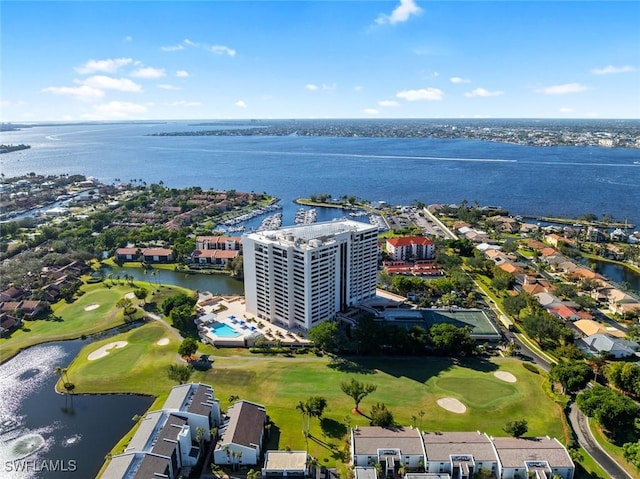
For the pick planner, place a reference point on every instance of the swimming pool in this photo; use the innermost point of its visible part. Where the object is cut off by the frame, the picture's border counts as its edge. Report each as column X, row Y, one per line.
column 224, row 331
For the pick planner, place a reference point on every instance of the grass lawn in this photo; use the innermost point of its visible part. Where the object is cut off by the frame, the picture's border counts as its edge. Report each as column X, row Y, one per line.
column 70, row 320
column 405, row 385
column 82, row 317
column 138, row 367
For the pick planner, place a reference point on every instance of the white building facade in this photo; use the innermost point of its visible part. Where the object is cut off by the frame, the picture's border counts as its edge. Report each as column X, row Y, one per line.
column 302, row 275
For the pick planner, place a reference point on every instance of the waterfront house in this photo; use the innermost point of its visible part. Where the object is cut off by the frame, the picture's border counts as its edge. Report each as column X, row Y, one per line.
column 168, row 441
column 241, row 435
column 127, row 254
column 214, row 256
column 157, row 255
column 8, row 323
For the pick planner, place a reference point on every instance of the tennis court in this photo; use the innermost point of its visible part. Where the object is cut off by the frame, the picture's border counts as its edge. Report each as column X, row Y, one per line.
column 481, row 326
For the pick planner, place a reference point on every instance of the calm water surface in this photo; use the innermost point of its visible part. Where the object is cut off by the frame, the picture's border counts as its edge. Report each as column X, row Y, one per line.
column 70, row 433
column 527, row 180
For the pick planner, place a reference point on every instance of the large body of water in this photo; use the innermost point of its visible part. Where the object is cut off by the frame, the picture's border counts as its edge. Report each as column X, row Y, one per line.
column 55, row 435
column 566, row 181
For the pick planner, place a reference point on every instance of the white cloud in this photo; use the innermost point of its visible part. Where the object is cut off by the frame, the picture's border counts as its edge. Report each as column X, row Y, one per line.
column 483, row 93
column 240, row 104
column 371, row 111
column 565, row 109
column 120, row 106
column 563, row 89
column 172, row 48
column 110, row 65
column 108, row 83
column 167, row 86
column 401, row 13
column 84, row 92
column 182, row 74
column 184, row 103
column 148, row 72
column 223, row 50
column 128, row 39
column 333, row 86
column 188, row 42
column 388, row 103
column 358, row 88
column 429, row 94
column 116, row 110
column 610, row 69
column 459, row 80
column 312, row 87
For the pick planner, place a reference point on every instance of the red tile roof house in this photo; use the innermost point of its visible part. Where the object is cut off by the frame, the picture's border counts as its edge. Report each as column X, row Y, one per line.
column 410, row 247
column 565, row 312
column 219, row 242
column 213, row 256
column 12, row 294
column 157, row 255
column 127, row 254
column 8, row 323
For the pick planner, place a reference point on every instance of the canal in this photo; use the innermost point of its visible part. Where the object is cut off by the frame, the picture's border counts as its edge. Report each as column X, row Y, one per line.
column 617, row 273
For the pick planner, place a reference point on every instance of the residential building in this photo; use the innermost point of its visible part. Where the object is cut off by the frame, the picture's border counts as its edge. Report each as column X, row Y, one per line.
column 285, row 464
column 410, row 248
column 241, row 435
column 232, row 243
column 168, row 441
column 302, row 275
column 610, row 345
column 458, row 455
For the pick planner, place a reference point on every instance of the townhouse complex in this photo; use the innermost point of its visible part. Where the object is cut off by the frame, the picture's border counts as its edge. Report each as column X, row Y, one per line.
column 455, row 455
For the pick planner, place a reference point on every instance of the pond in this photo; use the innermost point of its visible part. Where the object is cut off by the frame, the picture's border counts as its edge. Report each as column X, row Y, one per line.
column 50, row 435
column 214, row 283
column 618, row 273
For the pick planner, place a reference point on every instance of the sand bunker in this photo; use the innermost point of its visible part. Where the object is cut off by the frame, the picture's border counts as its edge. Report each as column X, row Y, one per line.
column 104, row 350
column 163, row 342
column 505, row 376
column 130, row 295
column 91, row 307
column 452, row 405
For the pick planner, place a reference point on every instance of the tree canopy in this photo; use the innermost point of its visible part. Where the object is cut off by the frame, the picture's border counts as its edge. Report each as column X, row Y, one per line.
column 614, row 412
column 572, row 375
column 516, row 428
column 357, row 390
column 188, row 347
column 451, row 340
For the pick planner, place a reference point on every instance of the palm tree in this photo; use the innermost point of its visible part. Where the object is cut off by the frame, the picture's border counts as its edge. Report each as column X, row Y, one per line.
column 421, row 415
column 200, row 436
column 253, row 474
column 312, row 463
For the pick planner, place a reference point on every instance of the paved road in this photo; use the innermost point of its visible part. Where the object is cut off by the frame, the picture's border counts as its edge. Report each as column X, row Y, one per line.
column 585, row 438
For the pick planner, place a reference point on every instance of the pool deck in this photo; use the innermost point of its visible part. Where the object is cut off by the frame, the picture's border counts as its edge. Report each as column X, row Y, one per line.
column 231, row 310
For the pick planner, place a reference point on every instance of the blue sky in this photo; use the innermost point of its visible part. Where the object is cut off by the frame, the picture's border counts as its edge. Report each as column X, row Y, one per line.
column 104, row 60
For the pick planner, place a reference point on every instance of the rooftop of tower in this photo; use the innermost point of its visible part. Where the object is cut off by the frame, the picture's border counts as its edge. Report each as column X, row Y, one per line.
column 305, row 234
